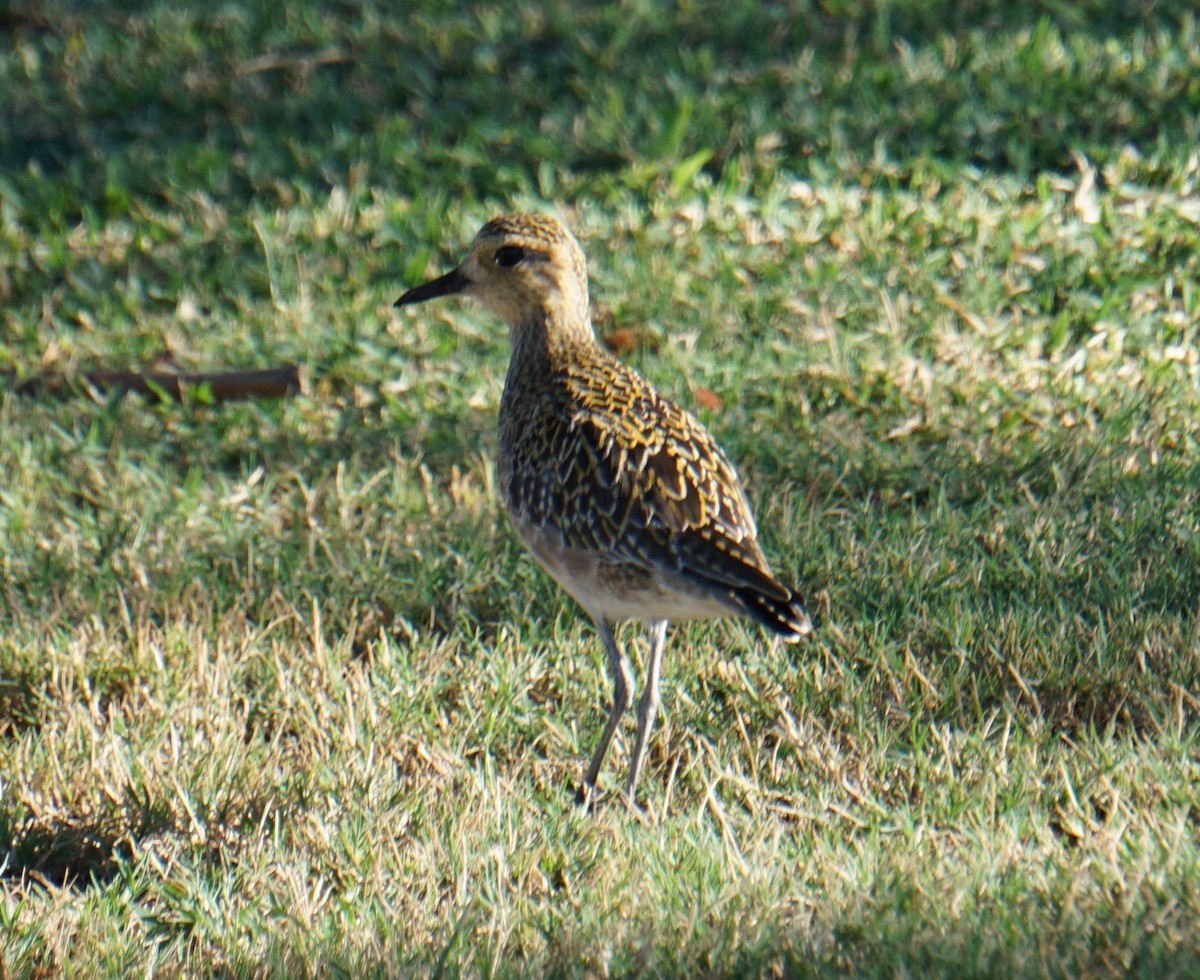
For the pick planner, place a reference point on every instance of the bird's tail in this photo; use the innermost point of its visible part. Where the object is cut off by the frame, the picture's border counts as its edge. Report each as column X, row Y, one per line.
column 785, row 616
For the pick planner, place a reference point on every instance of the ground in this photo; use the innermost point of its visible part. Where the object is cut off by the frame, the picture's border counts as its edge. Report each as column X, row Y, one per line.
column 281, row 694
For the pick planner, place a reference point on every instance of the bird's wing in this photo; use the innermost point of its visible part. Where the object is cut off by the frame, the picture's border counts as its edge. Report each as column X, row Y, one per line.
column 628, row 471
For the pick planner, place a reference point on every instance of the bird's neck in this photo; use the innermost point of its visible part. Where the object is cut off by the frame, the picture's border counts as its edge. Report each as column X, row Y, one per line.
column 547, row 343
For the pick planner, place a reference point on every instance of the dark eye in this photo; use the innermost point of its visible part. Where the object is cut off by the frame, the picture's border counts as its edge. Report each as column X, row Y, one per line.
column 509, row 255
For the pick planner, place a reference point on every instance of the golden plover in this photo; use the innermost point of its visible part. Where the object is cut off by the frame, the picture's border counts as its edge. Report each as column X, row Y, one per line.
column 620, row 494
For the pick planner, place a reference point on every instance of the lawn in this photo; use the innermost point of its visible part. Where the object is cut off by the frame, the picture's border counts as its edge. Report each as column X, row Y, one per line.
column 281, row 694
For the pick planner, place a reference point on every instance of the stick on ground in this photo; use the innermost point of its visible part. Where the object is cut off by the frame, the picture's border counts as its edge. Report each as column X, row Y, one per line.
column 223, row 385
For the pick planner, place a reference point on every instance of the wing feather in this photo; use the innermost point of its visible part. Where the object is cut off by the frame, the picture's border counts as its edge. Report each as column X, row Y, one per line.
column 620, row 468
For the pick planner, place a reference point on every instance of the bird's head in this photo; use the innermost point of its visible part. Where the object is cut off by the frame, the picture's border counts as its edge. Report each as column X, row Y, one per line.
column 528, row 269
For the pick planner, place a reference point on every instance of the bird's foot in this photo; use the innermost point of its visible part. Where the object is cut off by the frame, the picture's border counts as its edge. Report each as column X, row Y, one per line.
column 585, row 797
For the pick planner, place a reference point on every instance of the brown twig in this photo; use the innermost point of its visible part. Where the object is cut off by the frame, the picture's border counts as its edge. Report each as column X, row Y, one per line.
column 222, row 385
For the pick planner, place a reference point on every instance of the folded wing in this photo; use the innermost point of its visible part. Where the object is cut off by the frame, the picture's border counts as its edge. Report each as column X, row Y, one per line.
column 629, row 472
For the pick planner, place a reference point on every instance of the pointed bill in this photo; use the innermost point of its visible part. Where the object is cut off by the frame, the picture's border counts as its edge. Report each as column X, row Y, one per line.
column 449, row 284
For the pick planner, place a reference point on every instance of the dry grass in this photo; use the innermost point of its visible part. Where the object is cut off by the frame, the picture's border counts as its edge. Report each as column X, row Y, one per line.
column 279, row 692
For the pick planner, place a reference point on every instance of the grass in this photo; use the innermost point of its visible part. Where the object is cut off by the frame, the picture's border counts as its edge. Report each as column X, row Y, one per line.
column 279, row 691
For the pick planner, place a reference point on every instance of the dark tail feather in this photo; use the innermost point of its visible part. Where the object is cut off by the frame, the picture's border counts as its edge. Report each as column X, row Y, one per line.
column 785, row 617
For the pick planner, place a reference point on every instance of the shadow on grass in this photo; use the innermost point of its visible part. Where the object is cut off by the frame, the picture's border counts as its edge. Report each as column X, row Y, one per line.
column 254, row 100
column 67, row 851
column 18, row 704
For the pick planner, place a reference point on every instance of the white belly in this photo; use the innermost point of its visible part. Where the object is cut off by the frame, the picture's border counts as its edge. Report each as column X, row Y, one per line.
column 620, row 590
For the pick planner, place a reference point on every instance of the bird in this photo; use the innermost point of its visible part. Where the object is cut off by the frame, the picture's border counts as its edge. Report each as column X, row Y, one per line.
column 618, row 492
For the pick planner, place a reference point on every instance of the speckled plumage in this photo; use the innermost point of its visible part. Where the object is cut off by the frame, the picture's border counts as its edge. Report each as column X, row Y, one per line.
column 621, row 494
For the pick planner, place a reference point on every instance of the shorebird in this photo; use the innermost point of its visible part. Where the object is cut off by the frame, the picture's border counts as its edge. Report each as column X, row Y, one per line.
column 621, row 495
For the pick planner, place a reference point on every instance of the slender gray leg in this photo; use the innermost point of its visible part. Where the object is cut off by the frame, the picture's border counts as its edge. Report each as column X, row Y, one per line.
column 648, row 705
column 622, row 699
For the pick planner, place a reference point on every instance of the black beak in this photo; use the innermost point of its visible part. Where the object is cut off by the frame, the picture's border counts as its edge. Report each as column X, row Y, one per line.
column 448, row 285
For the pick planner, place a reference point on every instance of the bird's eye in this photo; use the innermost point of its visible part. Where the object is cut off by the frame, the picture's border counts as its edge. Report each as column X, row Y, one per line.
column 509, row 255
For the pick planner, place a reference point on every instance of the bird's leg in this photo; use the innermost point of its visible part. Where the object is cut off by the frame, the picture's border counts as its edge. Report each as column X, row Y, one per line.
column 648, row 705
column 622, row 699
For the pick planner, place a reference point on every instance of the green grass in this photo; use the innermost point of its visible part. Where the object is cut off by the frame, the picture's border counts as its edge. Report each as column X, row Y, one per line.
column 279, row 691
